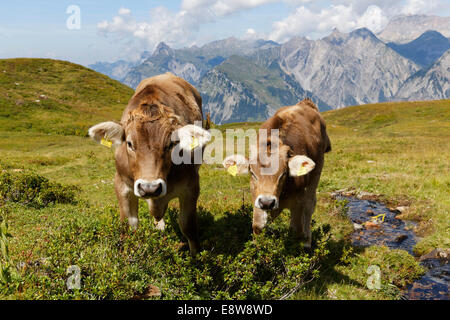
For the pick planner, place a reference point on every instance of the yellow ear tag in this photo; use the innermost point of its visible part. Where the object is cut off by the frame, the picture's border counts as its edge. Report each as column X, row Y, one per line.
column 106, row 143
column 194, row 143
column 302, row 171
column 232, row 170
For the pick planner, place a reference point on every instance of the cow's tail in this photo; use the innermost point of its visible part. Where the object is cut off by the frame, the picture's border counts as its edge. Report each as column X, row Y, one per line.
column 327, row 143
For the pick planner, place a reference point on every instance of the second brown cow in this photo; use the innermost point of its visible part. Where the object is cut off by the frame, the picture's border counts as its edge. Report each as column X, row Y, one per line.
column 286, row 166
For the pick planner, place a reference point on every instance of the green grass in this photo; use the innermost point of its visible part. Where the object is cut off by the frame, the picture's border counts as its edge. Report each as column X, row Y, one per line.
column 408, row 142
column 51, row 96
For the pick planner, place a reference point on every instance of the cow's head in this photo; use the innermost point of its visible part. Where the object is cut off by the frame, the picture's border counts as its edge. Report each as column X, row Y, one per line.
column 150, row 136
column 270, row 167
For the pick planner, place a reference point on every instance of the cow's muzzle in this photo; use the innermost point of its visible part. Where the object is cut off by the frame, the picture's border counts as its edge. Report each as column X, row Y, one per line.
column 266, row 202
column 154, row 189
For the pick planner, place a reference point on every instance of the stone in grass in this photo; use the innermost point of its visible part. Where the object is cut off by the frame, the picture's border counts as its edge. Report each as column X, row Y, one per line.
column 150, row 292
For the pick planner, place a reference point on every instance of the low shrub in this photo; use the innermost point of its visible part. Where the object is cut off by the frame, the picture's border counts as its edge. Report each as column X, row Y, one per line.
column 117, row 263
column 34, row 190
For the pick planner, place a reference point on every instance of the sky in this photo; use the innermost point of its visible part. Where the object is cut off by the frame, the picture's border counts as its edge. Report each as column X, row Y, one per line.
column 84, row 31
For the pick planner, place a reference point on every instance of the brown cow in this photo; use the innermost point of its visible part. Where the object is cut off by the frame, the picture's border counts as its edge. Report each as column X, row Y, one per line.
column 157, row 128
column 295, row 139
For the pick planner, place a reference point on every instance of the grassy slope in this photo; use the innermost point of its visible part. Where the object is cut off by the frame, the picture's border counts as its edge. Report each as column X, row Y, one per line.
column 74, row 96
column 407, row 141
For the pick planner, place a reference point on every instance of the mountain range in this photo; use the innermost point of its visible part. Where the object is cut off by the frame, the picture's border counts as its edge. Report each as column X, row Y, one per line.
column 248, row 80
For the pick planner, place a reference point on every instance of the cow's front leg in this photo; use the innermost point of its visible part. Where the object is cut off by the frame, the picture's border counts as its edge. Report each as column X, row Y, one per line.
column 128, row 202
column 188, row 218
column 157, row 209
column 301, row 215
column 308, row 210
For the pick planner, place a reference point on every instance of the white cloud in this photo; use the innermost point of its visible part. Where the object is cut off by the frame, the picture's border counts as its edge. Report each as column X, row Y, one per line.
column 309, row 18
column 303, row 21
column 345, row 15
column 420, row 6
column 178, row 28
column 373, row 19
column 124, row 11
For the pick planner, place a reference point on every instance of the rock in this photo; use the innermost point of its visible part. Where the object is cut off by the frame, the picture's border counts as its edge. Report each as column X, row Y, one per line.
column 371, row 225
column 370, row 212
column 363, row 195
column 436, row 254
column 401, row 238
column 401, row 209
column 370, row 161
column 357, row 226
column 335, row 193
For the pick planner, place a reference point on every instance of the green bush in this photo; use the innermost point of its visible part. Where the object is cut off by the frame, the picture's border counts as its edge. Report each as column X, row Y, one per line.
column 117, row 263
column 34, row 190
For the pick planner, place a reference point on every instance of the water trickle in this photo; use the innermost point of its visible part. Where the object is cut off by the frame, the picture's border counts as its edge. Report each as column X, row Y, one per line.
column 371, row 229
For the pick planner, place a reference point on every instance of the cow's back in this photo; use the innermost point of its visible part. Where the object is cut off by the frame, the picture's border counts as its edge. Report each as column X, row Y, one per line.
column 302, row 128
column 173, row 93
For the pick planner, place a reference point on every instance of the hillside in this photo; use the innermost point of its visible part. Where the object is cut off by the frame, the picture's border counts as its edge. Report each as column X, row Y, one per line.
column 51, row 96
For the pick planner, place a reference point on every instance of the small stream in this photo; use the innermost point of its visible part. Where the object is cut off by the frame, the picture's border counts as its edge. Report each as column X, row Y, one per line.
column 375, row 224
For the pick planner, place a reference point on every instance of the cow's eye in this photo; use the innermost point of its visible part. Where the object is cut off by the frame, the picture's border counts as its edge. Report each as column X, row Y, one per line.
column 130, row 145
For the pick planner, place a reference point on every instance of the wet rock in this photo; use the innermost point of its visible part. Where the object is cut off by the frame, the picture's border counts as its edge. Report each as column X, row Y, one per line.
column 401, row 238
column 357, row 226
column 443, row 254
column 371, row 225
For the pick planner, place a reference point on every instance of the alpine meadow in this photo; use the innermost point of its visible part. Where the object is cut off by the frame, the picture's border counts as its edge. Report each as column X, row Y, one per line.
column 59, row 215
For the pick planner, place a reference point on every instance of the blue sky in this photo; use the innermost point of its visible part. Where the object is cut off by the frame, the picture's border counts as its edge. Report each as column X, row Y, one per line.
column 115, row 29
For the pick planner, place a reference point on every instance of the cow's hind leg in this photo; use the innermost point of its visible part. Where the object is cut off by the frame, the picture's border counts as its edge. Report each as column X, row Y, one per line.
column 128, row 202
column 157, row 209
column 188, row 218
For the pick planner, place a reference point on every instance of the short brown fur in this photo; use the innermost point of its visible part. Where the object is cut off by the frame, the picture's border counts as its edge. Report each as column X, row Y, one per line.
column 302, row 131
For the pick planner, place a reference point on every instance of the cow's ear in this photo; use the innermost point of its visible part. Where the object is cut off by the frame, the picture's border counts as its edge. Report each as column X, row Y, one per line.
column 300, row 165
column 108, row 132
column 236, row 164
column 191, row 137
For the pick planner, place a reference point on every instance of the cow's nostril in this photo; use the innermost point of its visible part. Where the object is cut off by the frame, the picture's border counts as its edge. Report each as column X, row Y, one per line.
column 141, row 190
column 158, row 190
column 267, row 203
column 152, row 189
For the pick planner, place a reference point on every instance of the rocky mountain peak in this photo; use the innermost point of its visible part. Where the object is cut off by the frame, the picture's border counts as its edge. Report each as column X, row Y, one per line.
column 163, row 49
